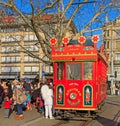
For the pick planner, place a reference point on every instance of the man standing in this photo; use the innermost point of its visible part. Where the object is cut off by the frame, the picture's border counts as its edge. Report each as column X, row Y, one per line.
column 47, row 95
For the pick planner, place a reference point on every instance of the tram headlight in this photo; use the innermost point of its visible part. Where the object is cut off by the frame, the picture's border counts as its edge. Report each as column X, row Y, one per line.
column 72, row 96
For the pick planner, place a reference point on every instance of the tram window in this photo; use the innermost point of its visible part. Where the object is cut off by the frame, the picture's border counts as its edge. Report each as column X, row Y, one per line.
column 73, row 71
column 88, row 71
column 60, row 71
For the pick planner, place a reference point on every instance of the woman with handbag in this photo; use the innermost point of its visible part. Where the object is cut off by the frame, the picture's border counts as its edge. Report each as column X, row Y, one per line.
column 20, row 98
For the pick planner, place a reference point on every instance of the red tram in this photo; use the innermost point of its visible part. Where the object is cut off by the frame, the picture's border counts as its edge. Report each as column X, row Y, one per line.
column 80, row 73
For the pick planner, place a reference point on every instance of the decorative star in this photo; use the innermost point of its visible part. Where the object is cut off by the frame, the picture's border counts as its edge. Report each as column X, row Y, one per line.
column 53, row 41
column 82, row 39
column 95, row 38
column 65, row 40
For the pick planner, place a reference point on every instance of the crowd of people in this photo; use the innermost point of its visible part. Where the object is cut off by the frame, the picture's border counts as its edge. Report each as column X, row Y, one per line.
column 18, row 96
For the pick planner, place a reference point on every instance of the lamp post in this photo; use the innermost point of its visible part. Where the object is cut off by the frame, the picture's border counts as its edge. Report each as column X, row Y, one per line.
column 112, row 87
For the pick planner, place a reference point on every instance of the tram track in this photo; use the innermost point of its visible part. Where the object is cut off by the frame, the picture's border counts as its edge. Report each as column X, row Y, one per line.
column 116, row 119
column 86, row 122
column 61, row 123
column 82, row 122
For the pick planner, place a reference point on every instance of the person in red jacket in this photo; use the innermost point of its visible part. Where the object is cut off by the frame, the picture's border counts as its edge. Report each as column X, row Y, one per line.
column 40, row 104
column 7, row 106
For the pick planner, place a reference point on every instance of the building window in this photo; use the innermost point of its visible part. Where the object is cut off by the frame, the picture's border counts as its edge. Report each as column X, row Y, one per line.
column 118, row 33
column 30, row 59
column 17, row 38
column 50, row 69
column 15, row 69
column 30, row 38
column 35, row 69
column 27, row 69
column 10, row 59
column 118, row 56
column 31, row 69
column 10, row 49
column 10, row 69
column 117, row 44
column 11, row 38
column 104, row 44
column 32, row 48
column 3, row 49
column 17, row 58
column 118, row 41
column 6, row 69
column 108, row 44
column 3, row 59
column 117, row 69
column 108, row 32
column 13, row 59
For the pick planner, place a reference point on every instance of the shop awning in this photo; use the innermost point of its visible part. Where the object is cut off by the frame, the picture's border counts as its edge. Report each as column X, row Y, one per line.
column 29, row 76
column 7, row 76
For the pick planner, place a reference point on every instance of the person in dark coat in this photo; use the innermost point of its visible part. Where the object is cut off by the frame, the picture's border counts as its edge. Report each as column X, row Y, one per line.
column 26, row 86
column 35, row 94
column 10, row 91
column 1, row 95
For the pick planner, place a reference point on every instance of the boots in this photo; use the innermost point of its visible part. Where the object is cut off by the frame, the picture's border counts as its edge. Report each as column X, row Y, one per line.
column 19, row 117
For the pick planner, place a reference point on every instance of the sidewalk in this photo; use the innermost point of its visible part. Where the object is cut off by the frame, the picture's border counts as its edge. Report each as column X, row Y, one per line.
column 32, row 118
column 29, row 116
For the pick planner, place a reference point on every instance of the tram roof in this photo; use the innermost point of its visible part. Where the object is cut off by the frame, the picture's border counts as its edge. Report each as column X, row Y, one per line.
column 75, row 51
column 87, row 43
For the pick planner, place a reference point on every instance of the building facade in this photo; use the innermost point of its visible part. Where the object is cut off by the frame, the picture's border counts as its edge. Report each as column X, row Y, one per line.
column 14, row 62
column 111, row 40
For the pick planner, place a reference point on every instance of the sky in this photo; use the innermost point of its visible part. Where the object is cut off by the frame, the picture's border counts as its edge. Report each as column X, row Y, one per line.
column 87, row 12
column 83, row 16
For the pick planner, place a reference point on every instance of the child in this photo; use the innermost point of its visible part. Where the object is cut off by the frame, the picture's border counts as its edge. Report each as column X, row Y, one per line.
column 40, row 104
column 29, row 106
column 7, row 106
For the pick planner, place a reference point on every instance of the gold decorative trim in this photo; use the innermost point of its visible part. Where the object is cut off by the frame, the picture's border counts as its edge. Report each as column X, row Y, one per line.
column 75, row 108
column 58, row 55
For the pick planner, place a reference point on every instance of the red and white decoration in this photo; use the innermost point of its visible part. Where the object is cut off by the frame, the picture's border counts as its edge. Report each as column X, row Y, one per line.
column 95, row 38
column 82, row 39
column 65, row 40
column 53, row 41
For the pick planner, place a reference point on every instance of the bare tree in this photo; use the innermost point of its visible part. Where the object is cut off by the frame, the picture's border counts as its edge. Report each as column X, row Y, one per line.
column 85, row 14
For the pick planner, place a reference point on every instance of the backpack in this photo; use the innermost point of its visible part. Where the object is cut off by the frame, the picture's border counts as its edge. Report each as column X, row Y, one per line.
column 22, row 98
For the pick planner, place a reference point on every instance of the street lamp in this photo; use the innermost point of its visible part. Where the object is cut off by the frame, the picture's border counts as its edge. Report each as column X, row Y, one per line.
column 112, row 87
